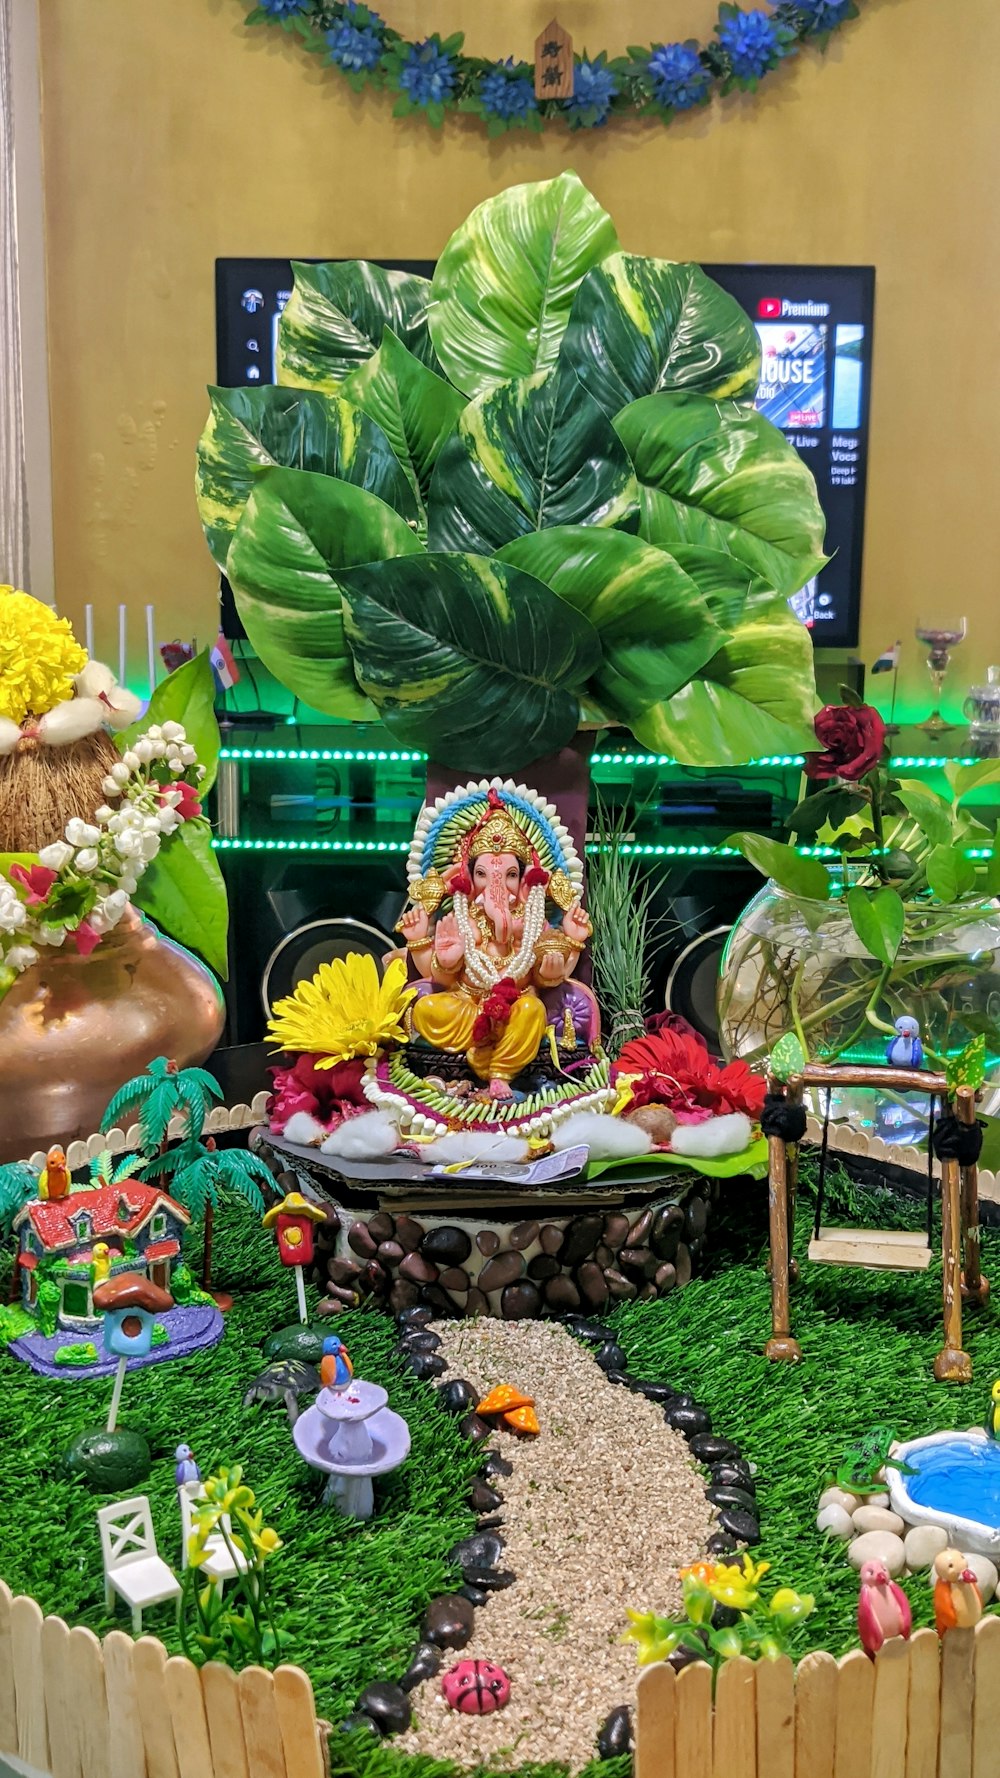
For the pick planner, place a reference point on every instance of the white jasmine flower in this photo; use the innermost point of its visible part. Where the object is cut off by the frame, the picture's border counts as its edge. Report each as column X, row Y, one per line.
column 154, row 732
column 123, row 768
column 55, row 856
column 128, row 845
column 87, row 860
column 172, row 731
column 188, row 754
column 13, row 912
column 21, row 956
column 169, row 821
column 128, row 882
column 110, row 787
column 51, row 935
column 143, row 750
column 150, row 844
column 103, row 814
column 81, row 833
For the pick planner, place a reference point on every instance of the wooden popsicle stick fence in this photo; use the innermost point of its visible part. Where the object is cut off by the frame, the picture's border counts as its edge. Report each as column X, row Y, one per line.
column 919, row 1710
column 76, row 1707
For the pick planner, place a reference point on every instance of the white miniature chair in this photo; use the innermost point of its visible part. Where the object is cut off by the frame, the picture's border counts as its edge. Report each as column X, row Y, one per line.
column 132, row 1566
column 223, row 1562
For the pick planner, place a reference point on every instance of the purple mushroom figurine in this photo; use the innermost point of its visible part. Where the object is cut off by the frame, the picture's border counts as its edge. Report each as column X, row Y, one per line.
column 905, row 1050
column 186, row 1469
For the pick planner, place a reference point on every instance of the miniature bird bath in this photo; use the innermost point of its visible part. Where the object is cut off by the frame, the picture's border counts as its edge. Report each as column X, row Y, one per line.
column 956, row 1486
column 352, row 1436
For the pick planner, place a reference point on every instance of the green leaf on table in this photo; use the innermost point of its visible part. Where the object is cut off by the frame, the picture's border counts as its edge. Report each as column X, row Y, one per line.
column 187, row 696
column 467, row 658
column 183, row 891
column 968, row 1068
column 787, row 1057
column 755, row 697
column 298, row 533
column 337, row 315
column 931, row 812
column 718, row 474
column 949, row 873
column 532, row 453
column 417, row 411
column 975, row 777
column 639, row 326
column 656, row 631
column 505, row 283
column 807, row 877
column 250, row 430
column 878, row 918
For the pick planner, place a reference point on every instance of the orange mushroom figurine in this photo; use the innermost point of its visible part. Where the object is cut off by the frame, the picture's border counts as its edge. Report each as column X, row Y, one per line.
column 511, row 1407
column 293, row 1221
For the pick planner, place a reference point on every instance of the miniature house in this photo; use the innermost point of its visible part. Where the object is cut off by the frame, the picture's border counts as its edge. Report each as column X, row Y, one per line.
column 140, row 1228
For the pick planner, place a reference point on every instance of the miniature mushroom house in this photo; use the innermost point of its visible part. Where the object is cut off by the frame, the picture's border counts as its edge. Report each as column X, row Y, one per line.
column 130, row 1304
column 293, row 1222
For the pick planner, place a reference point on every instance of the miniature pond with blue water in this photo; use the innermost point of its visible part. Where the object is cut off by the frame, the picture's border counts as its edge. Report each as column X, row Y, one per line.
column 958, row 1477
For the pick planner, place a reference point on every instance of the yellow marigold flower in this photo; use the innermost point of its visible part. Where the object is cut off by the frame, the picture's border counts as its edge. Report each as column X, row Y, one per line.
column 39, row 656
column 345, row 1011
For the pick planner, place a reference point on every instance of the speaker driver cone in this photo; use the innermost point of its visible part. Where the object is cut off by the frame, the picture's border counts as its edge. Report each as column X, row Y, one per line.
column 300, row 953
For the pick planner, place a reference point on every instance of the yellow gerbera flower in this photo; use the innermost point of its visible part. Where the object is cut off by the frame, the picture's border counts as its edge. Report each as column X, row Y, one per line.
column 345, row 1011
column 39, row 656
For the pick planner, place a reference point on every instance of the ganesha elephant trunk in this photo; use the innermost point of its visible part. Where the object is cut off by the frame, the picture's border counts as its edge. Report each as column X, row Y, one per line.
column 496, row 906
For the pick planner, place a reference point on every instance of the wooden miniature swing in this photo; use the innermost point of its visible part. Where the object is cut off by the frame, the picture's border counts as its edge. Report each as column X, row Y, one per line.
column 877, row 1249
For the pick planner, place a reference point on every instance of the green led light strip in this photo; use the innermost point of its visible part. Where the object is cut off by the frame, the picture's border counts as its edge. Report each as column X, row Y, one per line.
column 348, row 755
column 633, row 848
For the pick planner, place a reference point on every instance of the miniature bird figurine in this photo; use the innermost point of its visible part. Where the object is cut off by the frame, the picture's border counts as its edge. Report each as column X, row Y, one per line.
column 336, row 1369
column 100, row 1262
column 186, row 1469
column 883, row 1609
column 53, row 1181
column 905, row 1050
column 993, row 1412
column 958, row 1603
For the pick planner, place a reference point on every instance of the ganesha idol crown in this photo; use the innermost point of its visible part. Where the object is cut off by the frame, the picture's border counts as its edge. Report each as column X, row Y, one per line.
column 502, row 1035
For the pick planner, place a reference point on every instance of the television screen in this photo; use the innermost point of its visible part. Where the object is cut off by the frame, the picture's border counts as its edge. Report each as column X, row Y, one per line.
column 815, row 327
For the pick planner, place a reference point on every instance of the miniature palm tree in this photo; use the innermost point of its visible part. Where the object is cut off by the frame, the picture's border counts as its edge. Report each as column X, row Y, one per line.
column 104, row 1172
column 18, row 1183
column 164, row 1091
column 200, row 1174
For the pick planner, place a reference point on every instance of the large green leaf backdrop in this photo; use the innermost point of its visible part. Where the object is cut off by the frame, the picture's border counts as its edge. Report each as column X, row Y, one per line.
column 476, row 505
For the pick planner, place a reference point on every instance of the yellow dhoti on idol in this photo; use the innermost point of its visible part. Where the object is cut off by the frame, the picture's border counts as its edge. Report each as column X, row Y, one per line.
column 445, row 1020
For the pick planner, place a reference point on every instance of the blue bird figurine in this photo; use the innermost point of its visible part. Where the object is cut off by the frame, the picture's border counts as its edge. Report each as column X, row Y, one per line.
column 905, row 1050
column 186, row 1469
column 336, row 1369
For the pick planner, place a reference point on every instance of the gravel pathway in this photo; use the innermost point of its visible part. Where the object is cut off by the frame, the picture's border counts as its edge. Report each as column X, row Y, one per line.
column 602, row 1509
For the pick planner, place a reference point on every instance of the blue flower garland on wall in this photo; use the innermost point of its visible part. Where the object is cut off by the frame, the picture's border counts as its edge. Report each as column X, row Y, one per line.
column 433, row 77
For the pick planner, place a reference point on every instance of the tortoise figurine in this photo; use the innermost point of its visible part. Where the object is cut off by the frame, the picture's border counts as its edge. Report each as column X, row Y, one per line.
column 285, row 1379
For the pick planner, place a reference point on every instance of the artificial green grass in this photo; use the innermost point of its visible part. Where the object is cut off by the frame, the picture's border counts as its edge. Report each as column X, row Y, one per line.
column 868, row 1341
column 349, row 1595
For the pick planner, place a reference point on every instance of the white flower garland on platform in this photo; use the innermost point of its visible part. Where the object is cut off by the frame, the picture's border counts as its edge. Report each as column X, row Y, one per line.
column 81, row 885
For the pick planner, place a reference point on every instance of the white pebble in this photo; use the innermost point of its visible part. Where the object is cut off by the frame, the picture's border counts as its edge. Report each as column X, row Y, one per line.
column 986, row 1574
column 877, row 1546
column 923, row 1543
column 834, row 1521
column 838, row 1497
column 879, row 1499
column 876, row 1518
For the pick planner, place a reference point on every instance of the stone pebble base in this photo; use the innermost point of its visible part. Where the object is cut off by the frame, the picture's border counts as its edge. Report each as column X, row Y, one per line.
column 519, row 1270
column 383, row 1707
column 873, row 1532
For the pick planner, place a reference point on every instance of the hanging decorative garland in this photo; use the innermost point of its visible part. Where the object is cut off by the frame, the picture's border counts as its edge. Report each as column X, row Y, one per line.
column 434, row 76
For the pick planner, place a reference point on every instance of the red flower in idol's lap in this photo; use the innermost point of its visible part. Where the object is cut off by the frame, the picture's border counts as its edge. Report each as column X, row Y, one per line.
column 853, row 737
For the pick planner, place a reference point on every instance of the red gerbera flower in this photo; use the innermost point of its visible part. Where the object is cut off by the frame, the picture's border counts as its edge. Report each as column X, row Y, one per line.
column 677, row 1070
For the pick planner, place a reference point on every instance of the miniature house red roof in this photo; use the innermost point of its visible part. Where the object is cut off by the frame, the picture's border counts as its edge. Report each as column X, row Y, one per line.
column 121, row 1209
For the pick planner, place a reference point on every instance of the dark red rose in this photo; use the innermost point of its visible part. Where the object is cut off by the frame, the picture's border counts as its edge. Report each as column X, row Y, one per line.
column 853, row 738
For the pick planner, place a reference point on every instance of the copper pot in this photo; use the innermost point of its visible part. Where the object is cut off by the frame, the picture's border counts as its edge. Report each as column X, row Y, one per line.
column 73, row 1029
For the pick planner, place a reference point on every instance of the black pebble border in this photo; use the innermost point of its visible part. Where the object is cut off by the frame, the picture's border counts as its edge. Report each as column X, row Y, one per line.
column 384, row 1708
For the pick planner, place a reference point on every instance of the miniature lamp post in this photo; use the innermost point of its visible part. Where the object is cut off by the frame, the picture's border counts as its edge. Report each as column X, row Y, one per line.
column 130, row 1304
column 293, row 1222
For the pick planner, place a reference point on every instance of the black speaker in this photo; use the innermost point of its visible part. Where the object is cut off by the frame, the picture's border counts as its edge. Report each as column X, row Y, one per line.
column 290, row 914
column 699, row 902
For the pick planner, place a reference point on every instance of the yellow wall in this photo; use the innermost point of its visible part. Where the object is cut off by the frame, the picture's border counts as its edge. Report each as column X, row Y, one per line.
column 173, row 134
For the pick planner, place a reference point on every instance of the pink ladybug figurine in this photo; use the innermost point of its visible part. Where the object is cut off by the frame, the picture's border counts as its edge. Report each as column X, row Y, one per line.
column 476, row 1687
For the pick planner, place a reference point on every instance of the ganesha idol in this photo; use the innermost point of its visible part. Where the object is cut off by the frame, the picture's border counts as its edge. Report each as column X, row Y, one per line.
column 502, row 1034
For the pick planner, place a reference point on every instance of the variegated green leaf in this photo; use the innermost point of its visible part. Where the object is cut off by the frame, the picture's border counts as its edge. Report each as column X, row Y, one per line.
column 717, row 474
column 656, row 630
column 531, row 453
column 505, row 283
column 417, row 411
column 336, row 315
column 470, row 659
column 297, row 533
column 755, row 697
column 250, row 430
column 787, row 1057
column 639, row 326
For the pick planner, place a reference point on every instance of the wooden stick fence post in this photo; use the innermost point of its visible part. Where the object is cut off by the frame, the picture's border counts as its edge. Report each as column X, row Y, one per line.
column 794, row 1097
column 781, row 1343
column 952, row 1365
column 975, row 1288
